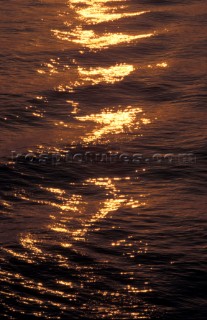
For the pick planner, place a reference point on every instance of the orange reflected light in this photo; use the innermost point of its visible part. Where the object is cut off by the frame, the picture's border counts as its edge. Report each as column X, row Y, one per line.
column 108, row 75
column 89, row 39
column 110, row 121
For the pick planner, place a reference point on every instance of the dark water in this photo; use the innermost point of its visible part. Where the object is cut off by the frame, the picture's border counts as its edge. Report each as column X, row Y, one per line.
column 103, row 240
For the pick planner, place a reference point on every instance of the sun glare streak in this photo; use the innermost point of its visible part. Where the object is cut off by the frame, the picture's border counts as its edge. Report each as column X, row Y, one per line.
column 91, row 40
column 110, row 121
column 108, row 75
column 71, row 216
column 94, row 76
column 94, row 12
column 115, row 200
column 98, row 14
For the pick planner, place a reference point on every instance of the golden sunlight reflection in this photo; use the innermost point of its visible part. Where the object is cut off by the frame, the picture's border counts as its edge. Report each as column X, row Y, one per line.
column 77, row 209
column 115, row 200
column 54, row 66
column 71, row 204
column 79, row 236
column 162, row 65
column 110, row 121
column 91, row 2
column 94, row 76
column 94, row 12
column 80, row 76
column 74, row 218
column 108, row 75
column 97, row 11
column 34, row 250
column 29, row 242
column 88, row 13
column 75, row 105
column 91, row 40
column 158, row 65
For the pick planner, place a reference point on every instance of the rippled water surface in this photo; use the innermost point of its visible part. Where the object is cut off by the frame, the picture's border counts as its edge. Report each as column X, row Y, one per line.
column 103, row 239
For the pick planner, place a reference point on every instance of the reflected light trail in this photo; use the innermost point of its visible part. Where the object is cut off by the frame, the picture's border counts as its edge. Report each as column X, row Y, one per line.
column 115, row 200
column 91, row 40
column 108, row 75
column 110, row 121
column 96, row 12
